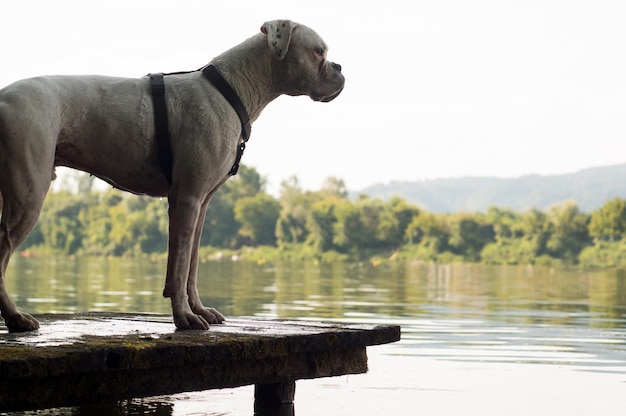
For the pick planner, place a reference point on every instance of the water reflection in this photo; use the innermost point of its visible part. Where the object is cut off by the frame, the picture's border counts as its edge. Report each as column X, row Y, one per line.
column 457, row 320
column 522, row 295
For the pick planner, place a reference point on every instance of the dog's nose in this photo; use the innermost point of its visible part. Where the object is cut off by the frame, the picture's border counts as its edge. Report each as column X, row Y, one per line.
column 336, row 67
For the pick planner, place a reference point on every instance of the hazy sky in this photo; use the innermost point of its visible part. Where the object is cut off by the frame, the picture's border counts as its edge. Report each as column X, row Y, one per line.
column 433, row 88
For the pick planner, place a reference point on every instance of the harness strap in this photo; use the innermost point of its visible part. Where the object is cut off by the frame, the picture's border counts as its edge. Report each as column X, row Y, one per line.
column 218, row 81
column 161, row 127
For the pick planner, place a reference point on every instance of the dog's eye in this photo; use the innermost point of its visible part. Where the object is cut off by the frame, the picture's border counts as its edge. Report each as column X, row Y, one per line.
column 319, row 51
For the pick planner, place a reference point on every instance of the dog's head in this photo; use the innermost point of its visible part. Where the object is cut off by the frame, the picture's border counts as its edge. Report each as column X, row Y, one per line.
column 299, row 61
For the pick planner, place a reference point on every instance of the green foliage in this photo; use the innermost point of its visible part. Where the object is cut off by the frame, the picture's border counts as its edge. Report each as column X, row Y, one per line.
column 510, row 251
column 257, row 215
column 328, row 224
column 404, row 214
column 468, row 235
column 569, row 232
column 505, row 223
column 349, row 229
column 609, row 222
column 319, row 224
column 604, row 254
column 60, row 225
column 296, row 206
column 428, row 230
column 220, row 227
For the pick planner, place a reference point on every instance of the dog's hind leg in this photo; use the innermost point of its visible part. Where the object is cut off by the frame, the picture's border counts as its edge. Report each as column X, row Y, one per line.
column 14, row 227
column 24, row 183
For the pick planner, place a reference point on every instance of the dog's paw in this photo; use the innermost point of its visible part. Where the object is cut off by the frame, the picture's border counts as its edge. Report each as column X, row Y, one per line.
column 21, row 322
column 190, row 321
column 211, row 315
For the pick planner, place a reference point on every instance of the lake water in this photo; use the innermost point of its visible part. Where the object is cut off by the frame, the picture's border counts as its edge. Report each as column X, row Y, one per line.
column 476, row 340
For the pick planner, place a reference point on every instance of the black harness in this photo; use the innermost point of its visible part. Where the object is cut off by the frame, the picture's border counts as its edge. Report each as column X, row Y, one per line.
column 161, row 127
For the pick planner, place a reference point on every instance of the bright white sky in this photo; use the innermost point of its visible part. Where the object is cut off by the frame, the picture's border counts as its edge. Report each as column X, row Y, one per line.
column 434, row 89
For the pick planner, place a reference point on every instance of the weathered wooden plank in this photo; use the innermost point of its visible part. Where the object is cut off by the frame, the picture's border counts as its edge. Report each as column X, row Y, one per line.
column 78, row 359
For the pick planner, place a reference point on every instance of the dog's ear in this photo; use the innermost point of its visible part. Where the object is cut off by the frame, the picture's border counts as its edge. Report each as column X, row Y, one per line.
column 278, row 36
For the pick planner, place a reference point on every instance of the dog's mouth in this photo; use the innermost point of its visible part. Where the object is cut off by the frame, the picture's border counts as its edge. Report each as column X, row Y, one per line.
column 326, row 98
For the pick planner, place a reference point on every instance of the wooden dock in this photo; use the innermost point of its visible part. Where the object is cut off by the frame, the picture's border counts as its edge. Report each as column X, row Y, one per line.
column 84, row 359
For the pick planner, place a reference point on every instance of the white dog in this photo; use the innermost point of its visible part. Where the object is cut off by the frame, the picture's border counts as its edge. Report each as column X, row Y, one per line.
column 106, row 126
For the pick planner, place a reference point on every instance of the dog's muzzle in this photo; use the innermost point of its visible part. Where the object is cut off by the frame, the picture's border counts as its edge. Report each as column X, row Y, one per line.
column 341, row 81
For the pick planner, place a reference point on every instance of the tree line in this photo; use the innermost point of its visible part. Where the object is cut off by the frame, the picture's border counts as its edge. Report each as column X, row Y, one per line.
column 328, row 224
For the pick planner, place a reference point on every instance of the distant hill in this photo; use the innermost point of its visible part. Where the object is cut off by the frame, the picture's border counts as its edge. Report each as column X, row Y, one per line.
column 590, row 188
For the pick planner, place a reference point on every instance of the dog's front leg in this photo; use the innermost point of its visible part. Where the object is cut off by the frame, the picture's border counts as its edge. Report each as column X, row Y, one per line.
column 211, row 315
column 183, row 215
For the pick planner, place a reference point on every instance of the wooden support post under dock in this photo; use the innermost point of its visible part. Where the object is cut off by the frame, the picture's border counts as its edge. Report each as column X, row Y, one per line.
column 92, row 358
